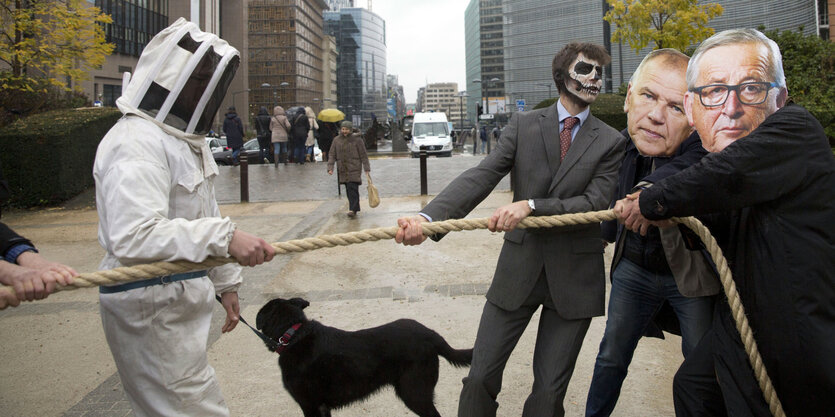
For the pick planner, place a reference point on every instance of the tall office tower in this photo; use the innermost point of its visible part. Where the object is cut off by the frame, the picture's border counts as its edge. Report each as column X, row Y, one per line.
column 134, row 24
column 285, row 53
column 361, row 69
column 472, row 53
column 535, row 31
column 483, row 23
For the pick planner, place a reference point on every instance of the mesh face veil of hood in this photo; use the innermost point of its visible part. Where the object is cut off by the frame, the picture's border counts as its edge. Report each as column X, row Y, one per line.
column 180, row 80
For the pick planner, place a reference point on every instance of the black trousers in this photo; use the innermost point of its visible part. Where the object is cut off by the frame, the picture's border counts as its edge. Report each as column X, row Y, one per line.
column 716, row 379
column 352, row 189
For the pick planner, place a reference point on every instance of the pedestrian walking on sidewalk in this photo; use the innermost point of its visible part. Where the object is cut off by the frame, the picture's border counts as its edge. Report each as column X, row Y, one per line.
column 311, row 138
column 280, row 127
column 348, row 152
column 301, row 126
column 262, row 127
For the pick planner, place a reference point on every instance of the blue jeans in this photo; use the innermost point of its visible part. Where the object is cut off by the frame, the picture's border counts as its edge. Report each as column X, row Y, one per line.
column 298, row 154
column 635, row 297
column 236, row 152
column 278, row 149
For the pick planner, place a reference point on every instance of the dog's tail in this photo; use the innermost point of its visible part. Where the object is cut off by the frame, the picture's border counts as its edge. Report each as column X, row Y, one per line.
column 456, row 357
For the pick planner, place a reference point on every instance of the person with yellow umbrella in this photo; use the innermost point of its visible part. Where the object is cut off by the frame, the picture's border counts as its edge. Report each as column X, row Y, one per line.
column 328, row 129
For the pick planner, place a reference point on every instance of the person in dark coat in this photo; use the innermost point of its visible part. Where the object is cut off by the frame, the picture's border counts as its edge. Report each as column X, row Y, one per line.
column 650, row 293
column 348, row 153
column 301, row 125
column 483, row 135
column 234, row 130
column 773, row 174
column 262, row 128
column 327, row 131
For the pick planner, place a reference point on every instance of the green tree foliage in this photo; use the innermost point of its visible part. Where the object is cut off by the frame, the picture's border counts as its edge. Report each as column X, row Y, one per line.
column 48, row 42
column 809, row 64
column 666, row 23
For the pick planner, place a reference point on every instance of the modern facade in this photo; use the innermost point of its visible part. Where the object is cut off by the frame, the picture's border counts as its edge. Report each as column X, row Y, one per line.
column 472, row 53
column 361, row 69
column 285, row 53
column 534, row 30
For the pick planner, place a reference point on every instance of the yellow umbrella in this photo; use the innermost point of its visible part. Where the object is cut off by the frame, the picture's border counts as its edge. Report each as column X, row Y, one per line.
column 331, row 115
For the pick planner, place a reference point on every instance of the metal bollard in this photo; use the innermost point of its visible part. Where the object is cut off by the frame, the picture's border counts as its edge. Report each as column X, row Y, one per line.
column 244, row 179
column 423, row 185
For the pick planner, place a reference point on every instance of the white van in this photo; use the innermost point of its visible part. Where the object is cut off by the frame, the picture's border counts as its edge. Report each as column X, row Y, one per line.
column 431, row 131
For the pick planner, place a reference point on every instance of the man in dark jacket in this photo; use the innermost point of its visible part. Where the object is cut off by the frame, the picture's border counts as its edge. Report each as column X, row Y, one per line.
column 262, row 128
column 771, row 170
column 644, row 282
column 234, row 130
column 298, row 134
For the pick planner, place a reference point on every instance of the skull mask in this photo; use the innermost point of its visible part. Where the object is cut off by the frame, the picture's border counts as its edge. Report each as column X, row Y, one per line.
column 585, row 78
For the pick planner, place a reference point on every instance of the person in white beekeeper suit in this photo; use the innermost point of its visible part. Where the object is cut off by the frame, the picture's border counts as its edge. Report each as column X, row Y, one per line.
column 156, row 202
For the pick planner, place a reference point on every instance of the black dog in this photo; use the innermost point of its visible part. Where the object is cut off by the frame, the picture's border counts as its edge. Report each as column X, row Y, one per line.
column 325, row 368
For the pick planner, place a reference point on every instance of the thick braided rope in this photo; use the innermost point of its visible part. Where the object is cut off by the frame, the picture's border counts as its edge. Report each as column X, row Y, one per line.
column 738, row 312
column 139, row 272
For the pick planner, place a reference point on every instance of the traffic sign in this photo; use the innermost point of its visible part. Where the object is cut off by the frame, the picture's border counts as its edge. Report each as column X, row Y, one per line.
column 520, row 105
column 486, row 116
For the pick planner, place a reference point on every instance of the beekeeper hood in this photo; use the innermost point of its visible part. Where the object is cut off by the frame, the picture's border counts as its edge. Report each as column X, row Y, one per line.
column 180, row 81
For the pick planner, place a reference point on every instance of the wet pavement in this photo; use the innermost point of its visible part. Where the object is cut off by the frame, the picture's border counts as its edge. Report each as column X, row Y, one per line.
column 57, row 363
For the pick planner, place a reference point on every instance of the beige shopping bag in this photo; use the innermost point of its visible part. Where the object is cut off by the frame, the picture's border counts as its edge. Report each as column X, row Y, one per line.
column 373, row 194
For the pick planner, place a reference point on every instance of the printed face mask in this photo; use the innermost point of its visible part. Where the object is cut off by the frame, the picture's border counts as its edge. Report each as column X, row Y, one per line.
column 585, row 78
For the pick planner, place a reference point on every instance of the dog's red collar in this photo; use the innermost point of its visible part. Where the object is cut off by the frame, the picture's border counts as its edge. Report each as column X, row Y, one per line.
column 284, row 340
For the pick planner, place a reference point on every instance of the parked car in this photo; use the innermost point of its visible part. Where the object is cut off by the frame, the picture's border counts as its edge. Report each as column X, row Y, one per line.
column 216, row 144
column 250, row 151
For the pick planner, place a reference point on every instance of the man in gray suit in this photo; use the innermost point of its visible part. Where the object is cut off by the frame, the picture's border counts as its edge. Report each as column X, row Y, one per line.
column 564, row 160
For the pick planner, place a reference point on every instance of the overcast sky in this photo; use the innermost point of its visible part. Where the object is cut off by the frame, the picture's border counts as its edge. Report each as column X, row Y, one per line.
column 425, row 41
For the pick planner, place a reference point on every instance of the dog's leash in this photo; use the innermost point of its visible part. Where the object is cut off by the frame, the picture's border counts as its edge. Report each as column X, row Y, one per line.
column 270, row 342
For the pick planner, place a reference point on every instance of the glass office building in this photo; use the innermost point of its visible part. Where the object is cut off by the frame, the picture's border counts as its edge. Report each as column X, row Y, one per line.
column 472, row 51
column 535, row 30
column 361, row 66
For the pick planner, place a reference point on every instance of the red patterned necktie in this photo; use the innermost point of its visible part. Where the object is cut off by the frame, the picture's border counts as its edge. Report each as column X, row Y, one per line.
column 565, row 135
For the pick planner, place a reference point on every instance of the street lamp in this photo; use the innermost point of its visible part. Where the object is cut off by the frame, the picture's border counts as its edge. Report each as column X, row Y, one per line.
column 282, row 85
column 235, row 94
column 267, row 85
column 316, row 104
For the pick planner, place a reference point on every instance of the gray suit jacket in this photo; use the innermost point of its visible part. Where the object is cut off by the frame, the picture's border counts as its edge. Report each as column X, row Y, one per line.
column 584, row 181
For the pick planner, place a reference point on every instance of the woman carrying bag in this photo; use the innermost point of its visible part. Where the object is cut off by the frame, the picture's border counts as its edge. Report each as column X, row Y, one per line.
column 348, row 152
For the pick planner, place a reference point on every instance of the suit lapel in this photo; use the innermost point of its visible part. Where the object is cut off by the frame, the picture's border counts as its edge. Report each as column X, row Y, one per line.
column 549, row 126
column 584, row 139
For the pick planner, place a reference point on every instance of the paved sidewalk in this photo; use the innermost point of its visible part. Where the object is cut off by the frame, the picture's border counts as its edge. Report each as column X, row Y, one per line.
column 57, row 363
column 396, row 177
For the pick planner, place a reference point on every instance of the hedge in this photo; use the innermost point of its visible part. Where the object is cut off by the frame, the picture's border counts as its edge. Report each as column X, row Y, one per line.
column 607, row 107
column 49, row 156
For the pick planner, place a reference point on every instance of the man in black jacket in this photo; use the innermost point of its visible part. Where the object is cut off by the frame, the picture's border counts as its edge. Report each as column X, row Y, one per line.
column 644, row 282
column 234, row 130
column 773, row 174
column 262, row 128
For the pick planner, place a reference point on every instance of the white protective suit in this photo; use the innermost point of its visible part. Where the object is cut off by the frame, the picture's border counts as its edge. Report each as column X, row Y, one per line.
column 155, row 200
